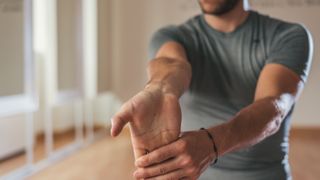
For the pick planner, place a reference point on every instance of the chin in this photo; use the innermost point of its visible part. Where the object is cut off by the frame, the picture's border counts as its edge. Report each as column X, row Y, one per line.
column 208, row 5
column 217, row 7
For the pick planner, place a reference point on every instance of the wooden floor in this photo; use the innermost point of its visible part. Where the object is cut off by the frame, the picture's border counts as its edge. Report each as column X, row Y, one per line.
column 108, row 159
column 112, row 159
column 60, row 141
column 305, row 154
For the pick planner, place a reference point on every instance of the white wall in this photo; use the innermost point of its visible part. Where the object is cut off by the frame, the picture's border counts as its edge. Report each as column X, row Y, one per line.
column 129, row 42
column 133, row 23
column 104, row 46
column 69, row 37
column 12, row 135
column 11, row 40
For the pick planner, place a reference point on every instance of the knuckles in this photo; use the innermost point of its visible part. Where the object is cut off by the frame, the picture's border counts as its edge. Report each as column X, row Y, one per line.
column 162, row 170
column 191, row 167
column 143, row 162
column 193, row 171
column 183, row 145
column 160, row 157
column 186, row 161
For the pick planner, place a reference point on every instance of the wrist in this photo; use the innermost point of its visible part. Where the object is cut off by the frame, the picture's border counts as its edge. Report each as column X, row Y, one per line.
column 162, row 87
column 213, row 146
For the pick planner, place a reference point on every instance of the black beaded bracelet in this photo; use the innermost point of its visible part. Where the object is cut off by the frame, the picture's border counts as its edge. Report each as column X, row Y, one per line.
column 214, row 144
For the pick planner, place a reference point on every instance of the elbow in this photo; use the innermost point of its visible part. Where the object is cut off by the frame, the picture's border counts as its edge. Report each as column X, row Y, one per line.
column 272, row 127
column 281, row 105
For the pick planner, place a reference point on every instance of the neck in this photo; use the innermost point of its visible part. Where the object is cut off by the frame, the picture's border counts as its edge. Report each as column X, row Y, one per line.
column 229, row 21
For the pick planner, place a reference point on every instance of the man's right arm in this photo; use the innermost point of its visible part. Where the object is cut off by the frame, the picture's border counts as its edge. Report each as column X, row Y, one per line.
column 154, row 113
column 170, row 70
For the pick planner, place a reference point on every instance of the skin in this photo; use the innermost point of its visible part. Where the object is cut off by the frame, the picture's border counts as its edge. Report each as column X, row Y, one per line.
column 188, row 155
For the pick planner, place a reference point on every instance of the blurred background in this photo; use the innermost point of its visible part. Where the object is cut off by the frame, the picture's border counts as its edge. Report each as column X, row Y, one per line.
column 66, row 66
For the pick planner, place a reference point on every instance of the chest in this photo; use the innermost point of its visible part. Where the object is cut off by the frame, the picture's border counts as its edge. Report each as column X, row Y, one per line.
column 230, row 67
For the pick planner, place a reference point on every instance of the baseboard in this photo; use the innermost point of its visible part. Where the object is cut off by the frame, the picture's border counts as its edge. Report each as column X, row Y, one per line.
column 310, row 132
column 12, row 155
column 69, row 131
column 303, row 128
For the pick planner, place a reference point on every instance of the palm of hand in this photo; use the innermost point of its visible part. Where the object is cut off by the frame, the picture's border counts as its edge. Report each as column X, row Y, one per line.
column 155, row 121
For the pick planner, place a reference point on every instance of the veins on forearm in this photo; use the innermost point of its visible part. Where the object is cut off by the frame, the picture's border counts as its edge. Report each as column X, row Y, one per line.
column 254, row 123
column 173, row 75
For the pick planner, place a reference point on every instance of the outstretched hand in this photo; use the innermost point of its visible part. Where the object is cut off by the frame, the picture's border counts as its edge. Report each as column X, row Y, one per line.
column 154, row 118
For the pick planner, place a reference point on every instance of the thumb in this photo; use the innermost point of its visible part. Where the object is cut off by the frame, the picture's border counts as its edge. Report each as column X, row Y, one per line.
column 118, row 122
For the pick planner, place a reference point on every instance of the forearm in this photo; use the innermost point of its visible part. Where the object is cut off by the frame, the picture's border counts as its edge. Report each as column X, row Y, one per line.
column 170, row 75
column 253, row 124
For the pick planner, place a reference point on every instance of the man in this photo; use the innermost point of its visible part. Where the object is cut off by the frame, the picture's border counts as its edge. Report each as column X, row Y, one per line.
column 240, row 74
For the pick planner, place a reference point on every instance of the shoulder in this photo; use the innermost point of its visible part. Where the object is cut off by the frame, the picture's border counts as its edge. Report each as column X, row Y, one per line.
column 186, row 33
column 290, row 44
column 193, row 23
column 280, row 28
column 189, row 26
column 182, row 34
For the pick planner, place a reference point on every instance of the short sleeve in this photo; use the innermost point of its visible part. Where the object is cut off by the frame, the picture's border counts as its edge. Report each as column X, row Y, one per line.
column 160, row 37
column 292, row 47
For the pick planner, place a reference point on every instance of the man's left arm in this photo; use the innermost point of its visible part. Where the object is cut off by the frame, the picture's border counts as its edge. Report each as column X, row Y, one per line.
column 277, row 90
column 279, row 85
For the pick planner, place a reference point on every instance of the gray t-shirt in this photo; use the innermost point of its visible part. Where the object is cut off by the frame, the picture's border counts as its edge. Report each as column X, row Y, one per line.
column 225, row 70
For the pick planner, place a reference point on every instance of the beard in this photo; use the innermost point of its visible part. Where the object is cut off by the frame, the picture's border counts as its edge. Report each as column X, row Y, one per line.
column 219, row 8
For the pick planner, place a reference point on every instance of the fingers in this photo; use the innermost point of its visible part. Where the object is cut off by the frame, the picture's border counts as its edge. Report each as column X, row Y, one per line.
column 156, row 170
column 177, row 160
column 179, row 174
column 120, row 120
column 172, row 175
column 161, row 154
